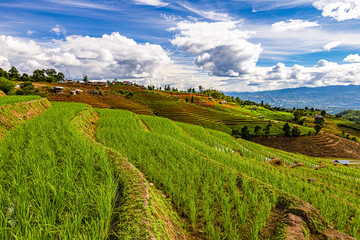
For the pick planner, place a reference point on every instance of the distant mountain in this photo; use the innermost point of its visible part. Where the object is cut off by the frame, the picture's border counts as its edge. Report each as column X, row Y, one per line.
column 333, row 99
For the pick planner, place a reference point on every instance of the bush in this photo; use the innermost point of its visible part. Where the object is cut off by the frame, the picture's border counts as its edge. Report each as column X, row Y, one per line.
column 6, row 85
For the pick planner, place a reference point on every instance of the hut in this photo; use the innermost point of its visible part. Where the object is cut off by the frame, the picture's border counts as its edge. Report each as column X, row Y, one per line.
column 58, row 89
column 343, row 162
column 94, row 92
column 127, row 83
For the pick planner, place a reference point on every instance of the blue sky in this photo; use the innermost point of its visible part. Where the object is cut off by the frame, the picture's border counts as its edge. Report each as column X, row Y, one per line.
column 233, row 45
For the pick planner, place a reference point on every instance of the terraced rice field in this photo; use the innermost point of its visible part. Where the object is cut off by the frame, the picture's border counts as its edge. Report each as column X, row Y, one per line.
column 194, row 161
column 8, row 100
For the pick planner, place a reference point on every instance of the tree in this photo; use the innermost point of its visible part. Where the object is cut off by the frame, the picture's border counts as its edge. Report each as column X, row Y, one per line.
column 317, row 128
column 14, row 73
column 235, row 133
column 201, row 88
column 301, row 122
column 192, row 99
column 319, row 121
column 4, row 73
column 267, row 128
column 245, row 134
column 25, row 77
column 38, row 76
column 286, row 129
column 27, row 88
column 257, row 130
column 85, row 78
column 6, row 85
column 295, row 131
column 187, row 99
column 60, row 77
column 323, row 113
column 50, row 72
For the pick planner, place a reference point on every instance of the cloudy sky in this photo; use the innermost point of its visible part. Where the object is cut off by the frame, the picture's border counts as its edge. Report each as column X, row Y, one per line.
column 234, row 45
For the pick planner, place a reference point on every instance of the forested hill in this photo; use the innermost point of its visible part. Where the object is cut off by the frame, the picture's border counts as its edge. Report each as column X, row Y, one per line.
column 332, row 98
column 351, row 115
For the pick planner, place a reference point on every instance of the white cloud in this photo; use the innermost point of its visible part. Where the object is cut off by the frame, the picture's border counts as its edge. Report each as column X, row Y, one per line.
column 279, row 77
column 156, row 3
column 340, row 10
column 332, row 45
column 292, row 25
column 352, row 58
column 58, row 29
column 106, row 57
column 212, row 15
column 221, row 48
column 30, row 32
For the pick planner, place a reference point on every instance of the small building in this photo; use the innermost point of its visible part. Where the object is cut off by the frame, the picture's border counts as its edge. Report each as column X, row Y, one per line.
column 94, row 92
column 58, row 89
column 255, row 107
column 210, row 98
column 78, row 91
column 142, row 87
column 318, row 116
column 73, row 92
column 127, row 83
column 343, row 162
column 222, row 102
column 69, row 80
column 261, row 117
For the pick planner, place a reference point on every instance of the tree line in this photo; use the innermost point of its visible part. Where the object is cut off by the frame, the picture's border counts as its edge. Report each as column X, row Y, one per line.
column 39, row 75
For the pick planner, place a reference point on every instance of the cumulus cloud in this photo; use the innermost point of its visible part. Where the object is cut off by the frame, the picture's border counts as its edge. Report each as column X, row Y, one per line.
column 340, row 10
column 221, row 48
column 156, row 3
column 292, row 25
column 324, row 73
column 352, row 58
column 331, row 45
column 108, row 56
column 58, row 29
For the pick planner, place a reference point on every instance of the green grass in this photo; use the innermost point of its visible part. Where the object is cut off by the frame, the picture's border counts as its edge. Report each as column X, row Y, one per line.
column 53, row 183
column 17, row 99
column 200, row 169
column 202, row 189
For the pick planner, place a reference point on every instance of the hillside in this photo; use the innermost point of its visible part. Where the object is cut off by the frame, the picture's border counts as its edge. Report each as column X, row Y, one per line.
column 332, row 98
column 147, row 177
column 351, row 115
column 211, row 113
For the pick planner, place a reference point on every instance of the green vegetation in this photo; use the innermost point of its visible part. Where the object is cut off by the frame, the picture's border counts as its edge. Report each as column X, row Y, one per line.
column 16, row 99
column 6, row 86
column 53, row 183
column 351, row 115
column 206, row 175
column 44, row 75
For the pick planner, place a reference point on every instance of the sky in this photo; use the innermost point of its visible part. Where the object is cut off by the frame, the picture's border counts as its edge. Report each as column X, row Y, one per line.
column 234, row 45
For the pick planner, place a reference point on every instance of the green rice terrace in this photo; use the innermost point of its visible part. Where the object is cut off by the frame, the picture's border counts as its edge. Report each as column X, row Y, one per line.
column 167, row 169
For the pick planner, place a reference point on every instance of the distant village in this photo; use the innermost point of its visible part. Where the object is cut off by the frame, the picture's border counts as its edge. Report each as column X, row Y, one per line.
column 59, row 89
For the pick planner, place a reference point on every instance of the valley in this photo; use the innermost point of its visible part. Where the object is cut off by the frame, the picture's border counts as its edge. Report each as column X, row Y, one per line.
column 131, row 163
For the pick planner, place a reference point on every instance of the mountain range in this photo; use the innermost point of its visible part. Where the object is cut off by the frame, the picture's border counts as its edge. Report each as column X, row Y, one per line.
column 333, row 99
